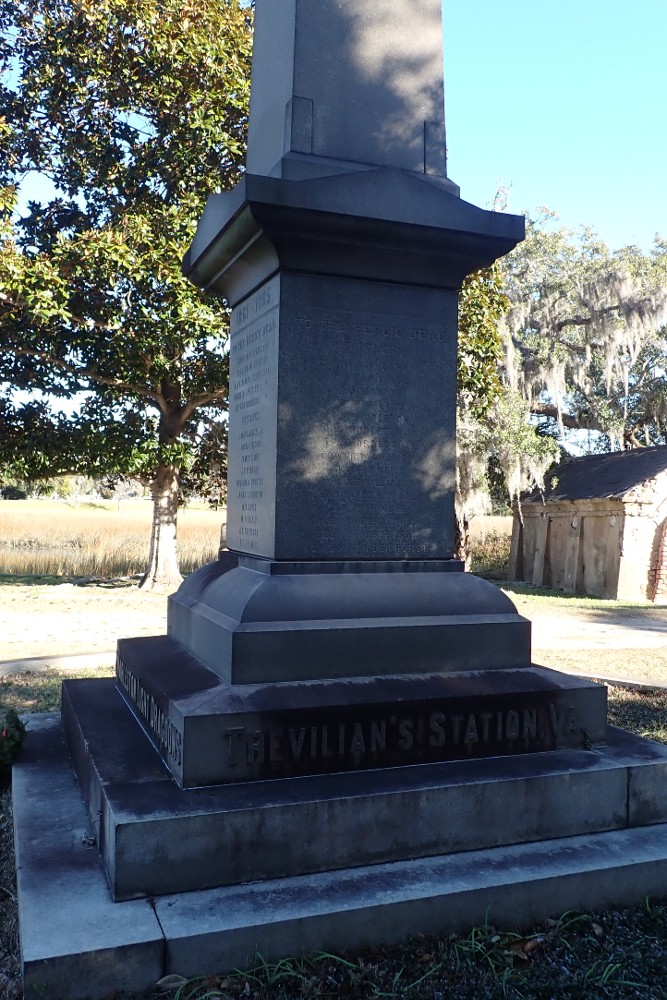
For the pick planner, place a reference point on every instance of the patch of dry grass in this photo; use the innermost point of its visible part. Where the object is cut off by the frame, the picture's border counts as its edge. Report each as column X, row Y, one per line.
column 51, row 538
column 646, row 666
column 489, row 554
column 40, row 691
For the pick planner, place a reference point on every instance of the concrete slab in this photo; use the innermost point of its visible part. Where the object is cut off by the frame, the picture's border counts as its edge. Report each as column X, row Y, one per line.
column 77, row 943
column 74, row 941
column 510, row 886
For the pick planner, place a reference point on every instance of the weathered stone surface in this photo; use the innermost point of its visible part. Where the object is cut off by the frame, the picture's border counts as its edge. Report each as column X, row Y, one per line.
column 261, row 621
column 342, row 264
column 75, row 942
column 156, row 838
column 510, row 887
column 95, row 947
column 346, row 82
column 335, row 453
column 386, row 224
column 210, row 732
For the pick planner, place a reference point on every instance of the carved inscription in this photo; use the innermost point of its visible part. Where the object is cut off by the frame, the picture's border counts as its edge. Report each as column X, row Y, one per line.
column 343, row 324
column 167, row 736
column 374, row 435
column 252, row 401
column 397, row 739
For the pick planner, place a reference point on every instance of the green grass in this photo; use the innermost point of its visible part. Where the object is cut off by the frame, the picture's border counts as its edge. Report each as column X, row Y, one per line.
column 556, row 601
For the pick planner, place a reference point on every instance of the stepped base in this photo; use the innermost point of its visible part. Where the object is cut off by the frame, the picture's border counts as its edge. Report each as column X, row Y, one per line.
column 77, row 943
column 260, row 621
column 209, row 732
column 156, row 838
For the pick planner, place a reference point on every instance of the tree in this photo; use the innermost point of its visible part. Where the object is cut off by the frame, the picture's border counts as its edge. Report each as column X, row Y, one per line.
column 136, row 110
column 587, row 345
column 494, row 431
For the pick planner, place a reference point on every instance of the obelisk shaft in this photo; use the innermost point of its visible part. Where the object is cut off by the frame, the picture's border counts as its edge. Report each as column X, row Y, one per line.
column 347, row 80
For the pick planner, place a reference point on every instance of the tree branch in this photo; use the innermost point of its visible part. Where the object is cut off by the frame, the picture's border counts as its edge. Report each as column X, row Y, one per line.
column 551, row 410
column 204, row 399
column 80, row 372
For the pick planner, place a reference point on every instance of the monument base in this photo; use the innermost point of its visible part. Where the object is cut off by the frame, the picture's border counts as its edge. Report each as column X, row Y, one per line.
column 209, row 732
column 157, row 838
column 594, row 825
column 261, row 621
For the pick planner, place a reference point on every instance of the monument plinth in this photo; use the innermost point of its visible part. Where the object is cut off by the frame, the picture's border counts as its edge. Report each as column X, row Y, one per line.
column 342, row 738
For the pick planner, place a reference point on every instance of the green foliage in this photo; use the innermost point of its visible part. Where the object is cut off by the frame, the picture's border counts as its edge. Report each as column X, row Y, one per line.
column 12, row 733
column 495, row 435
column 562, row 333
column 136, row 111
column 506, row 439
column 482, row 306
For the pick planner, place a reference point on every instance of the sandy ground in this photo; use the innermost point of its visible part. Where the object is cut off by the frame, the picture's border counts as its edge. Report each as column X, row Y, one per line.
column 69, row 619
column 49, row 621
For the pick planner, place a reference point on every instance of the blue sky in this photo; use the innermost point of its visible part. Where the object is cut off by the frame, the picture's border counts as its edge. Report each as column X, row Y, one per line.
column 566, row 101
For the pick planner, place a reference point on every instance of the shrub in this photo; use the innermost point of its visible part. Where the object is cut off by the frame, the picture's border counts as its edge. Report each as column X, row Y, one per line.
column 12, row 732
column 13, row 493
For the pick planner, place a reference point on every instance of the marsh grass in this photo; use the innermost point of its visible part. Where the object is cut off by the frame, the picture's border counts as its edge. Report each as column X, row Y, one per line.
column 47, row 538
column 490, row 555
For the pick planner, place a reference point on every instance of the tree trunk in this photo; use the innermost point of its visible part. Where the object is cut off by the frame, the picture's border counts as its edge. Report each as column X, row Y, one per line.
column 462, row 540
column 163, row 568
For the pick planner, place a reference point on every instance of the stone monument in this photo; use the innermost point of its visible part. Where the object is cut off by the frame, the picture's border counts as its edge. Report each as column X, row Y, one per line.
column 342, row 739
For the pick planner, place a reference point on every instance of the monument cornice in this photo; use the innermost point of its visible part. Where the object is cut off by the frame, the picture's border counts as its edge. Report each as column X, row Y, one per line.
column 384, row 224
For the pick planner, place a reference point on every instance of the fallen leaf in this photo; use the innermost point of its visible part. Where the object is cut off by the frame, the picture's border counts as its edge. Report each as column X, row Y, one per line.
column 531, row 944
column 171, row 982
column 521, row 949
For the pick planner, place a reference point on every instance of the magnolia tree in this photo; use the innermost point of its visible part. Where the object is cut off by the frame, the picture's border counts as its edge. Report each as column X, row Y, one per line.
column 110, row 361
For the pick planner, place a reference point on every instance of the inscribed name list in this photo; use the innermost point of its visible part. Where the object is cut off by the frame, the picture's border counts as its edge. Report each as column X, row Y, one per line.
column 253, row 389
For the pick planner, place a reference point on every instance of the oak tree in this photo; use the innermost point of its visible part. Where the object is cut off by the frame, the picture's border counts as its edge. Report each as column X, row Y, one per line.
column 586, row 337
